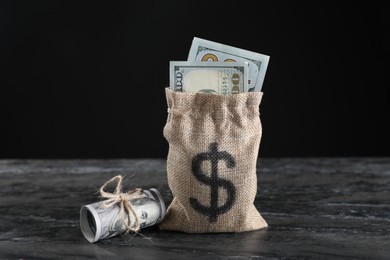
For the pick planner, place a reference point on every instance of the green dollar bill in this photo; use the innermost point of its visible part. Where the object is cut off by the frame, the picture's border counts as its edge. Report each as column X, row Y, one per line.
column 204, row 50
column 209, row 77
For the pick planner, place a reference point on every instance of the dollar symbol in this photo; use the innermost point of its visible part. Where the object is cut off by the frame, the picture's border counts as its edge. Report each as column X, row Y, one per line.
column 214, row 156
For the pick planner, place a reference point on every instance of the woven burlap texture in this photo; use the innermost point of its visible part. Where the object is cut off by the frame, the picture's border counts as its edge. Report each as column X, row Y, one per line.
column 211, row 165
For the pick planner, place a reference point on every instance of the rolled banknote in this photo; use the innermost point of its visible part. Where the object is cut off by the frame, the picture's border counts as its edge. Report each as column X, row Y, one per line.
column 204, row 50
column 99, row 222
column 208, row 77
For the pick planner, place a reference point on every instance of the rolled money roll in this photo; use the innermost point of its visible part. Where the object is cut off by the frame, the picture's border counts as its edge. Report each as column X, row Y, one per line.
column 98, row 222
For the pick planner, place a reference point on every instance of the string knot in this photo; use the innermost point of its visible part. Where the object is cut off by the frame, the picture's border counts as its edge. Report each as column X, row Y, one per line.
column 126, row 212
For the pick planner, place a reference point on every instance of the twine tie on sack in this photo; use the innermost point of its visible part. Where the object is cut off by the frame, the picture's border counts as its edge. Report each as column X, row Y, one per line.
column 123, row 198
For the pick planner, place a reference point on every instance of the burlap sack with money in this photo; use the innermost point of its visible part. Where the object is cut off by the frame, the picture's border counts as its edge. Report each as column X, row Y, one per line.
column 211, row 165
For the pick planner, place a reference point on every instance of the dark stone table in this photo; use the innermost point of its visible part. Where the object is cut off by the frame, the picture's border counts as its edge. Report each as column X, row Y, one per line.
column 317, row 208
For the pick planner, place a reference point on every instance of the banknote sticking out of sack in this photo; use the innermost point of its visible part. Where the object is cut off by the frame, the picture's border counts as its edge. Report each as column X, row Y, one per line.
column 211, row 165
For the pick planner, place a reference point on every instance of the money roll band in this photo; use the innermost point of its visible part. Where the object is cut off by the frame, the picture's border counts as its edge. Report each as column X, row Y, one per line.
column 211, row 164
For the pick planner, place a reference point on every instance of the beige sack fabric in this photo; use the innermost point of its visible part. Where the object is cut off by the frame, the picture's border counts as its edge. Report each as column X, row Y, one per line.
column 211, row 165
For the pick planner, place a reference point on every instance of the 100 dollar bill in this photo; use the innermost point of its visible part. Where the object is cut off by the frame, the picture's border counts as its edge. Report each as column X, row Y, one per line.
column 204, row 50
column 209, row 77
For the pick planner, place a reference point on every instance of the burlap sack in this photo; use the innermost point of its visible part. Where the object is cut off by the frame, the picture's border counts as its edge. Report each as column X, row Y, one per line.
column 211, row 165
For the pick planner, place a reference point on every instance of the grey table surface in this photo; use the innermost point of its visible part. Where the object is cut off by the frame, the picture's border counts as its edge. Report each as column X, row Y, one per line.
column 316, row 208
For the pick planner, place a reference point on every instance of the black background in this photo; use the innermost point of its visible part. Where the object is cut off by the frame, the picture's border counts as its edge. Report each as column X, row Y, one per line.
column 86, row 79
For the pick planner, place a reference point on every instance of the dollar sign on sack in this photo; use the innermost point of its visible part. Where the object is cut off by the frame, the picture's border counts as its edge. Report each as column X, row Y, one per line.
column 214, row 156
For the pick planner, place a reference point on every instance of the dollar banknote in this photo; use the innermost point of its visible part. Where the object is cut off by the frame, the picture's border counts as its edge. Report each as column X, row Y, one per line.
column 205, row 50
column 98, row 222
column 209, row 77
